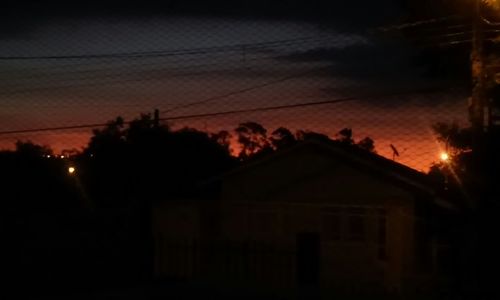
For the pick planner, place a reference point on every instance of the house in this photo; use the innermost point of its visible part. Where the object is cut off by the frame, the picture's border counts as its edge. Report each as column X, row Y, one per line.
column 319, row 214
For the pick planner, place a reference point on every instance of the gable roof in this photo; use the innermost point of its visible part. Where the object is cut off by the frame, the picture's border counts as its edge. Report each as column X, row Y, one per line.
column 365, row 161
column 384, row 169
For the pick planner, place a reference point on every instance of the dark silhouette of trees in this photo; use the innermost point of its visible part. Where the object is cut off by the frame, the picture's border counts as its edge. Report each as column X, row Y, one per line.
column 130, row 167
column 367, row 144
column 282, row 138
column 470, row 179
column 146, row 160
column 304, row 135
column 223, row 138
column 252, row 138
column 254, row 142
column 29, row 149
column 99, row 217
column 40, row 220
column 107, row 141
column 345, row 136
column 459, row 176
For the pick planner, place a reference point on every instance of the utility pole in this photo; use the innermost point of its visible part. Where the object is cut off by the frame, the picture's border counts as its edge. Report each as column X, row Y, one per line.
column 478, row 108
column 483, row 121
column 476, row 117
column 156, row 118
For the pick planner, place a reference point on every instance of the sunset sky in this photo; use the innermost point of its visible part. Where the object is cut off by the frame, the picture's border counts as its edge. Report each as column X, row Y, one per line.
column 190, row 58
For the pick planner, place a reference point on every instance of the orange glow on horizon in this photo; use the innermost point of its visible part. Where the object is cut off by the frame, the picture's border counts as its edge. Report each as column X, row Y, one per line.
column 61, row 141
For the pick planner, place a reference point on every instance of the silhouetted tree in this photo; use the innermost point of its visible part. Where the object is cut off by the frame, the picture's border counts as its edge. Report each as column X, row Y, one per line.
column 470, row 179
column 41, row 210
column 304, row 135
column 367, row 144
column 345, row 136
column 107, row 141
column 223, row 138
column 126, row 168
column 29, row 149
column 252, row 138
column 282, row 138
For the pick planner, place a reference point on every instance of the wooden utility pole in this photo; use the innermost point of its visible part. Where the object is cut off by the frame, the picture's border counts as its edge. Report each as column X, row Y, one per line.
column 156, row 118
column 478, row 108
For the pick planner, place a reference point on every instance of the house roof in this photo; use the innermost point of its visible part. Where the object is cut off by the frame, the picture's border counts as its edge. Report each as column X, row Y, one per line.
column 369, row 162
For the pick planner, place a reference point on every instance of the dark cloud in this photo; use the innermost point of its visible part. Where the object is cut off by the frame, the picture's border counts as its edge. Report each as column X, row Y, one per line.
column 20, row 16
column 375, row 59
column 392, row 60
column 331, row 9
column 380, row 67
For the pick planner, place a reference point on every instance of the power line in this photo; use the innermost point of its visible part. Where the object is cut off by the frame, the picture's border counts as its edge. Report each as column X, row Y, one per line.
column 72, row 65
column 445, row 28
column 43, row 76
column 112, row 82
column 443, row 35
column 450, row 35
column 454, row 42
column 418, row 23
column 162, row 53
column 231, row 112
column 120, row 74
column 245, row 90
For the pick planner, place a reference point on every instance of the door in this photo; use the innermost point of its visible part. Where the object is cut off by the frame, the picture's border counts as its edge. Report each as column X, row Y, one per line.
column 308, row 258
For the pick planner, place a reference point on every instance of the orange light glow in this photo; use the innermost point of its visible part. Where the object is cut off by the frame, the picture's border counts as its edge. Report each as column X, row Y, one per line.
column 445, row 157
column 71, row 170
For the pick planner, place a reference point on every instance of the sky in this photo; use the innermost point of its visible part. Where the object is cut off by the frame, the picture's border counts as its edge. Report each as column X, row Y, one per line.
column 74, row 76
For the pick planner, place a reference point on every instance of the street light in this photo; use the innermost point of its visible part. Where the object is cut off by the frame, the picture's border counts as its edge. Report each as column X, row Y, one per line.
column 445, row 157
column 71, row 170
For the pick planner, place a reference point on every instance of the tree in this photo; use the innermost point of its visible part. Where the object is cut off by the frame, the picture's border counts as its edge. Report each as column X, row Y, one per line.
column 282, row 138
column 145, row 159
column 223, row 138
column 346, row 136
column 470, row 179
column 125, row 169
column 252, row 138
column 304, row 135
column 29, row 149
column 458, row 139
column 107, row 141
column 367, row 144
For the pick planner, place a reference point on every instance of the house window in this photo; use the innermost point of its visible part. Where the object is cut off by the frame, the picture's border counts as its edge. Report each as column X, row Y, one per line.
column 331, row 227
column 263, row 222
column 356, row 228
column 382, row 234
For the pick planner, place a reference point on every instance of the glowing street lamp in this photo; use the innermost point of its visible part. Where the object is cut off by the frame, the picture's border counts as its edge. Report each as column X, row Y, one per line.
column 71, row 170
column 445, row 157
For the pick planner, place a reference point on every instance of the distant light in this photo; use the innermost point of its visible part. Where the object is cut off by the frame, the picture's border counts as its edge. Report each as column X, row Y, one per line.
column 71, row 170
column 445, row 157
column 62, row 156
column 48, row 156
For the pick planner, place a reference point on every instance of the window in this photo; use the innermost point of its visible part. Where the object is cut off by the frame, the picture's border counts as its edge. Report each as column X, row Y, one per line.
column 263, row 222
column 382, row 234
column 331, row 227
column 356, row 228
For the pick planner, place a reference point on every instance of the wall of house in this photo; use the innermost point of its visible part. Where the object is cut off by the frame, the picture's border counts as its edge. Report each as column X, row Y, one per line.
column 250, row 234
column 176, row 229
column 275, row 202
